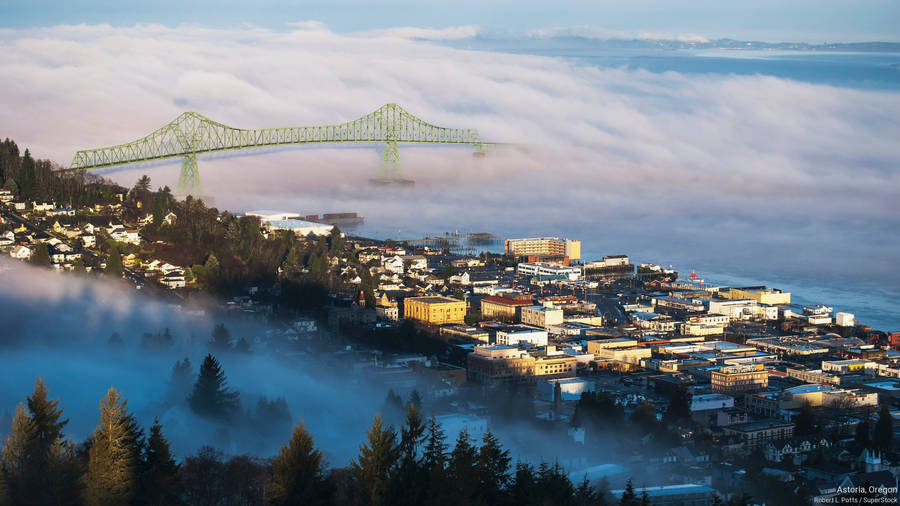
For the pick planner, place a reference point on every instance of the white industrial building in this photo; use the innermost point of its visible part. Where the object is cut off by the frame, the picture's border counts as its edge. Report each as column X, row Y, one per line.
column 512, row 336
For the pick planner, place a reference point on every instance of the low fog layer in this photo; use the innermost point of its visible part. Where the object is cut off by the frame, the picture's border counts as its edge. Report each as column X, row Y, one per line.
column 58, row 327
column 762, row 177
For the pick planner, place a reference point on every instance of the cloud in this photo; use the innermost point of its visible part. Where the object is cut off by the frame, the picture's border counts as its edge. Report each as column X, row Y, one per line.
column 755, row 175
column 593, row 32
column 416, row 33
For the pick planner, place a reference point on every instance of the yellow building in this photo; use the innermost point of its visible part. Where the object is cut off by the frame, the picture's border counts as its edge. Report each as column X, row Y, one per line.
column 435, row 310
column 544, row 246
column 760, row 295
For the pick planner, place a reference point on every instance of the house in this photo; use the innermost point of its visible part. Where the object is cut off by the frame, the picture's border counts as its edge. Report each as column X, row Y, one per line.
column 7, row 239
column 88, row 241
column 170, row 218
column 43, row 207
column 21, row 252
column 416, row 262
column 174, row 279
column 462, row 279
column 393, row 264
column 777, row 451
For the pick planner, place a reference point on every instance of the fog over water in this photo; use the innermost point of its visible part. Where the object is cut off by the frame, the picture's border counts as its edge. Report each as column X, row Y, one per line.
column 730, row 172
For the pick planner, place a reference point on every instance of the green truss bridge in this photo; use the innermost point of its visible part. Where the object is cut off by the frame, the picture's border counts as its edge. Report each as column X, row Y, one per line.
column 191, row 134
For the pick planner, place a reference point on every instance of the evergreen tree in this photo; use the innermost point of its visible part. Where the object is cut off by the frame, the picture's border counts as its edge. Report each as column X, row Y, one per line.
column 883, row 438
column 298, row 475
column 523, row 489
column 5, row 499
column 221, row 338
column 629, row 498
column 805, row 424
column 416, row 400
column 111, row 477
column 114, row 262
column 493, row 468
column 28, row 177
column 41, row 255
column 182, row 379
column 143, row 184
column 408, row 486
column 14, row 457
column 434, row 458
column 335, row 241
column 211, row 395
column 374, row 467
column 644, row 418
column 679, row 409
column 159, row 478
column 585, row 495
column 862, row 433
column 461, row 471
column 554, row 484
column 49, row 475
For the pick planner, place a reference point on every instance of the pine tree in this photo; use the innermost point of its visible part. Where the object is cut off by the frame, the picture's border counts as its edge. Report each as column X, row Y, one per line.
column 679, row 408
column 41, row 256
column 211, row 395
column 806, row 420
column 409, row 484
column 374, row 467
column 114, row 263
column 221, row 338
column 884, row 430
column 15, row 453
column 111, row 477
column 434, row 460
column 298, row 475
column 28, row 178
column 493, row 468
column 5, row 499
column 629, row 498
column 862, row 433
column 142, row 184
column 48, row 473
column 159, row 484
column 461, row 471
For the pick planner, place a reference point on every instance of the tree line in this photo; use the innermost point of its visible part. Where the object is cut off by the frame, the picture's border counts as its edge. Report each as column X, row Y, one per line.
column 414, row 464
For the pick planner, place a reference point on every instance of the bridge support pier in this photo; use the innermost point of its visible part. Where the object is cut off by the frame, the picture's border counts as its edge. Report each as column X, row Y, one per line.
column 190, row 175
column 391, row 170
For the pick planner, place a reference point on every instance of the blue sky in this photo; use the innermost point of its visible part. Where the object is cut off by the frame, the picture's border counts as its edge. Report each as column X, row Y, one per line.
column 770, row 20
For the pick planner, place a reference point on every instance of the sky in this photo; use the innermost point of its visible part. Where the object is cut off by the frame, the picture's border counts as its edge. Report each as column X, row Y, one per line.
column 770, row 20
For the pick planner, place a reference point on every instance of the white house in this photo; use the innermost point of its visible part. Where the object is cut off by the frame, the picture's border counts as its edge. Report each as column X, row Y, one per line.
column 174, row 279
column 21, row 252
column 393, row 264
column 88, row 241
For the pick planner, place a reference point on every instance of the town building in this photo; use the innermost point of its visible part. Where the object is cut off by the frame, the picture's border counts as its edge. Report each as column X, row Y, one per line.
column 543, row 246
column 759, row 294
column 610, row 267
column 499, row 363
column 759, row 433
column 434, row 310
column 504, row 308
column 731, row 380
column 521, row 334
column 541, row 316
column 552, row 363
column 543, row 269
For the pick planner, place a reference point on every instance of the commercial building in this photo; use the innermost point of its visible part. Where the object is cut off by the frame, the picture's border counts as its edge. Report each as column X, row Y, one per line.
column 516, row 334
column 610, row 267
column 739, row 379
column 434, row 310
column 553, row 364
column 549, row 270
column 278, row 220
column 505, row 308
column 542, row 316
column 758, row 433
column 544, row 246
column 773, row 297
column 466, row 332
column 499, row 363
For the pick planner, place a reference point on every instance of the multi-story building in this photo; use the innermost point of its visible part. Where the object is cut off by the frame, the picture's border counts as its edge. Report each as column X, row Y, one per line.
column 610, row 267
column 773, row 297
column 552, row 363
column 544, row 246
column 434, row 310
column 547, row 269
column 739, row 379
column 759, row 433
column 499, row 363
column 542, row 316
column 513, row 335
column 506, row 308
column 464, row 331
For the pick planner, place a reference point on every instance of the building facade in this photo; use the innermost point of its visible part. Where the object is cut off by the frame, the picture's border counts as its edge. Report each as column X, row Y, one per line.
column 543, row 246
column 739, row 379
column 434, row 310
